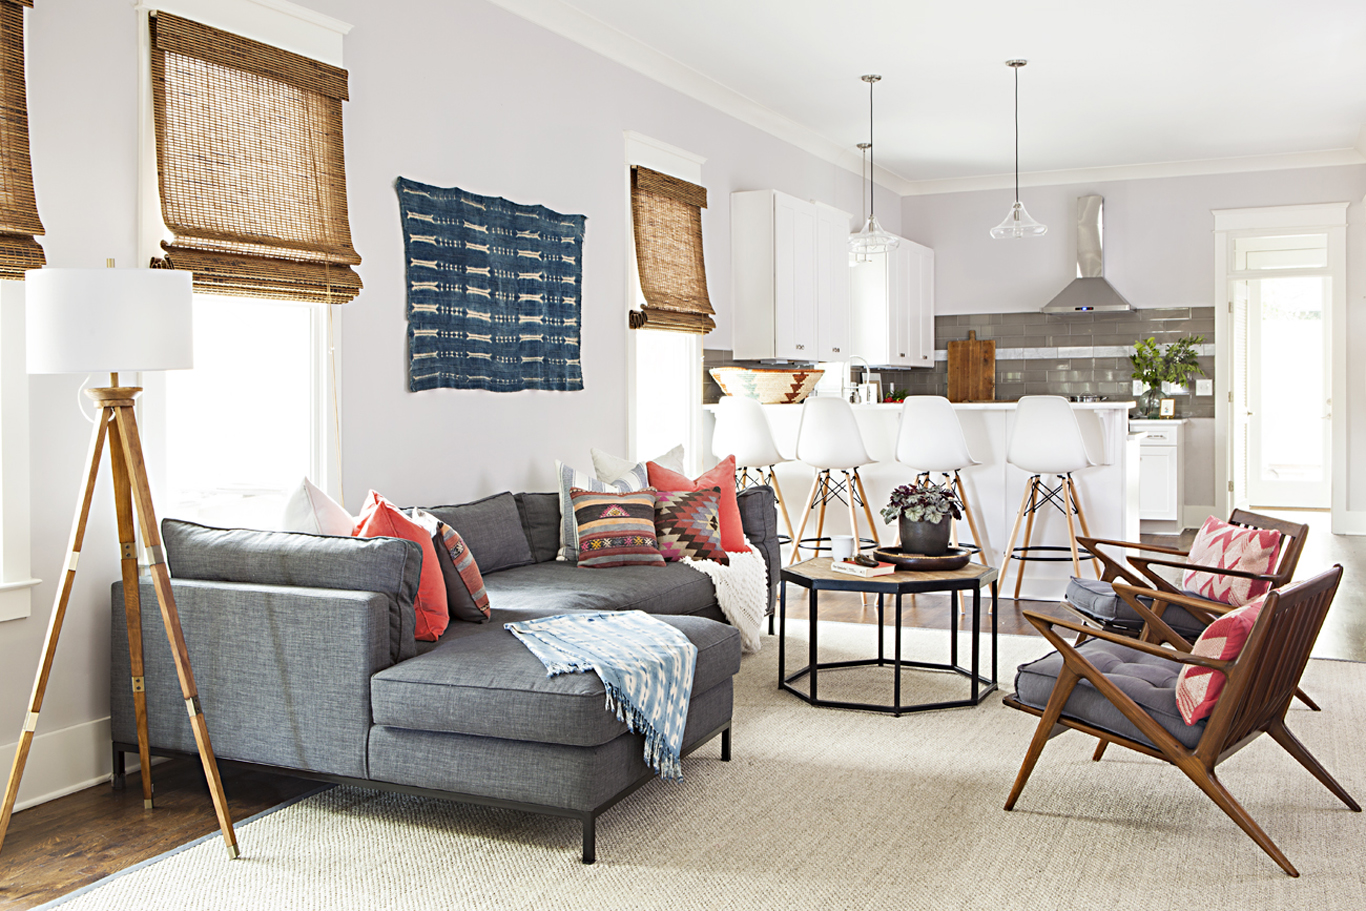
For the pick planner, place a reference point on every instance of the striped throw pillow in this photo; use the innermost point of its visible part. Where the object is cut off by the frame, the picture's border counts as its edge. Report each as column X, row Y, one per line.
column 569, row 478
column 615, row 529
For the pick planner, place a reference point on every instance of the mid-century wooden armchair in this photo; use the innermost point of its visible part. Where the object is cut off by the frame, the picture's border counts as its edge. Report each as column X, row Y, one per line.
column 1086, row 688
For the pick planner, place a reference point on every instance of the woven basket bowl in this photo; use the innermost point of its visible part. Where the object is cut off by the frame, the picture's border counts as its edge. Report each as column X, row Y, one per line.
column 775, row 386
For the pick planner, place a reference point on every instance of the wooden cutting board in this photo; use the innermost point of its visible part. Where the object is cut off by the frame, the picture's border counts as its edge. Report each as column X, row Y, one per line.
column 972, row 370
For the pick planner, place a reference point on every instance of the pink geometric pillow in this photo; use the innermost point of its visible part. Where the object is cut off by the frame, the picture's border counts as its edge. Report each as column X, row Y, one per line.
column 1198, row 688
column 1228, row 546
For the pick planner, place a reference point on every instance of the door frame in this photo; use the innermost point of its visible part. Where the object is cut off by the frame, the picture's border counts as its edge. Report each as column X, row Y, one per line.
column 1330, row 218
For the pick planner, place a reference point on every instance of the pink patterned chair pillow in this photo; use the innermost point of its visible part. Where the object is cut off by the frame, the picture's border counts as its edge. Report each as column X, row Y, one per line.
column 1199, row 688
column 1226, row 546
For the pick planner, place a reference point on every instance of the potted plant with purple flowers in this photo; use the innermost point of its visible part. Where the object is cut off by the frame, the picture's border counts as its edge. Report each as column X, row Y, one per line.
column 924, row 514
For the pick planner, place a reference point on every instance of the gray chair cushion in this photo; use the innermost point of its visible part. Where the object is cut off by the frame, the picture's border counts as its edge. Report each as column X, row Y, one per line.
column 392, row 566
column 487, row 683
column 1147, row 679
column 556, row 587
column 541, row 523
column 1097, row 600
column 492, row 528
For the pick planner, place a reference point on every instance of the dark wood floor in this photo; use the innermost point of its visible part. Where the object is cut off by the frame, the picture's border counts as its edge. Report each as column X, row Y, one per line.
column 62, row 845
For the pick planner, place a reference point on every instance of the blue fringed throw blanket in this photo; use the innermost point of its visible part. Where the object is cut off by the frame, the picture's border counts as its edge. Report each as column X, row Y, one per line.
column 646, row 666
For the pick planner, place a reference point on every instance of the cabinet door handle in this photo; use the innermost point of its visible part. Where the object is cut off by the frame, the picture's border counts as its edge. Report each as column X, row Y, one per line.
column 902, row 354
column 801, row 347
column 836, row 350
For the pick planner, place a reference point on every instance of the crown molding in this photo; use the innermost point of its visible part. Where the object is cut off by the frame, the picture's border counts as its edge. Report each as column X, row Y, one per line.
column 1279, row 162
column 619, row 47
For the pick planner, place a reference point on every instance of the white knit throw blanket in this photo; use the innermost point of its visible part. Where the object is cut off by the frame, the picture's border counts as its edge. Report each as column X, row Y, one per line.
column 741, row 590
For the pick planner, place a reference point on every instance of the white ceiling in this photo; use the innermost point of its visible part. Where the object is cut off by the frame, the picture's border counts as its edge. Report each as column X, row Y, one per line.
column 1109, row 84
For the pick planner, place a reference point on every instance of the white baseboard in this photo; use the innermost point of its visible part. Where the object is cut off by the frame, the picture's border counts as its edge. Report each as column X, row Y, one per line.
column 62, row 762
column 1349, row 522
column 1195, row 516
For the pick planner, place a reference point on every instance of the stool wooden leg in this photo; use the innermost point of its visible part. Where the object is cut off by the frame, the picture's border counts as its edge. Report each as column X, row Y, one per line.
column 1081, row 517
column 782, row 504
column 1071, row 527
column 806, row 514
column 1034, row 483
column 977, row 539
column 820, row 516
column 1014, row 530
column 867, row 510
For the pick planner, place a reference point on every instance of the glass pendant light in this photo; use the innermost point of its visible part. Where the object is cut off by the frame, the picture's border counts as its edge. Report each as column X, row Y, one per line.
column 1018, row 223
column 872, row 238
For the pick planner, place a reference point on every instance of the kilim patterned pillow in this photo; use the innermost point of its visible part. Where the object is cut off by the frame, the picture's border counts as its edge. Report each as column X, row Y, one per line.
column 615, row 529
column 465, row 595
column 688, row 524
column 1228, row 546
column 1198, row 688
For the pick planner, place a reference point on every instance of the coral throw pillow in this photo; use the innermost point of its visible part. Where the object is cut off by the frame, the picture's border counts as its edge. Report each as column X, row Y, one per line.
column 1198, row 688
column 615, row 529
column 466, row 598
column 722, row 476
column 1226, row 546
column 381, row 519
column 688, row 524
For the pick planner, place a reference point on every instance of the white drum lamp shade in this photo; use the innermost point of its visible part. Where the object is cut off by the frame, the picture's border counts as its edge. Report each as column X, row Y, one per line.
column 108, row 320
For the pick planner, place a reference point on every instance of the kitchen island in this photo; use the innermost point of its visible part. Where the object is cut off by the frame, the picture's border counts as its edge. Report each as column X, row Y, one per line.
column 1108, row 491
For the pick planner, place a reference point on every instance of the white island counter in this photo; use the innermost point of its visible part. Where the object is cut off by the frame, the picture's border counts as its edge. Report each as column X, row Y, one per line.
column 1108, row 491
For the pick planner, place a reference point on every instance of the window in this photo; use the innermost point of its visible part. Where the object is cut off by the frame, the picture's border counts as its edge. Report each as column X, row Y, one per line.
column 665, row 367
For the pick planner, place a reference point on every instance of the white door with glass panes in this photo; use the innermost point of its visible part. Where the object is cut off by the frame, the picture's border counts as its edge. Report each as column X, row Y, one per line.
column 1282, row 360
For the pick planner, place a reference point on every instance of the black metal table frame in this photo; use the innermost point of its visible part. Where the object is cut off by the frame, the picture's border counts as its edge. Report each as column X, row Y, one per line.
column 896, row 584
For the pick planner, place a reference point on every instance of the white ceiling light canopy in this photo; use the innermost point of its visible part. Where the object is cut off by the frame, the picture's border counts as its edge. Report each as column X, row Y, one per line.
column 1018, row 223
column 872, row 238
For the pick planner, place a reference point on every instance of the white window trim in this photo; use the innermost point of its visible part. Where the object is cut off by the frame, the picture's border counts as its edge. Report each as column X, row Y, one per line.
column 1328, row 218
column 292, row 28
column 16, row 581
column 666, row 159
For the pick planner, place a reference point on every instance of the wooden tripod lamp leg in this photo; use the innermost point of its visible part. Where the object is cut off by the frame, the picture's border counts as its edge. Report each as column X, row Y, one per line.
column 132, row 602
column 161, row 579
column 54, row 625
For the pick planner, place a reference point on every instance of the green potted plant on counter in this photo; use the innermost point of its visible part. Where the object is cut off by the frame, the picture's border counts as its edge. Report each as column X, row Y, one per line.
column 1155, row 364
column 923, row 514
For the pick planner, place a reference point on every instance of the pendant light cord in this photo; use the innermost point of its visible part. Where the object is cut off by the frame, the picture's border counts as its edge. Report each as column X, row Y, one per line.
column 872, row 160
column 1017, row 132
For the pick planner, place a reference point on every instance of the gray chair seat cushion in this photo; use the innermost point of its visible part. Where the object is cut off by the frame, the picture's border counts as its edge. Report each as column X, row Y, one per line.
column 1097, row 600
column 1147, row 679
column 557, row 587
column 485, row 682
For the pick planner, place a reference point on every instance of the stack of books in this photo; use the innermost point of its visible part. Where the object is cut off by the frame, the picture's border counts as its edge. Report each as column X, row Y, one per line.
column 858, row 569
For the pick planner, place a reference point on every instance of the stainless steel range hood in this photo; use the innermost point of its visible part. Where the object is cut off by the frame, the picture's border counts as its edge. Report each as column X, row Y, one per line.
column 1089, row 291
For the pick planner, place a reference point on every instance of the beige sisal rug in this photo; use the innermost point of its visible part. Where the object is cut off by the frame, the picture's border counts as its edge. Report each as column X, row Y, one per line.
column 824, row 808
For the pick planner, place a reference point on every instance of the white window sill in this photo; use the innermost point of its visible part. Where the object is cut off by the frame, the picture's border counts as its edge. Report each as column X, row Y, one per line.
column 14, row 599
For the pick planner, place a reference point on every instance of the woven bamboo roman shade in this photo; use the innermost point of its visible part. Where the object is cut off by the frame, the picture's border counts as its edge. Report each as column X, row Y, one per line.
column 250, row 164
column 18, row 209
column 667, row 214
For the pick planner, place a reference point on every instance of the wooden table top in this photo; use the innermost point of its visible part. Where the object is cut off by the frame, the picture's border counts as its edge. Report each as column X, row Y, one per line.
column 818, row 571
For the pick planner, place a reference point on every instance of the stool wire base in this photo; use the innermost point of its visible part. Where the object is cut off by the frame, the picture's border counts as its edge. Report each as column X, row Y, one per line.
column 1037, row 495
column 827, row 488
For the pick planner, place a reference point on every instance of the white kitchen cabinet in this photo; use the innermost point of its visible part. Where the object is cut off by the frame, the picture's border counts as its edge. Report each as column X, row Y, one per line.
column 892, row 306
column 1161, row 485
column 789, row 278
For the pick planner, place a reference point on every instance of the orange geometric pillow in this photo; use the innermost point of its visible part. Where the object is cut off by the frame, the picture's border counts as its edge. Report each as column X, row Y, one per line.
column 381, row 519
column 1198, row 688
column 722, row 476
column 1228, row 546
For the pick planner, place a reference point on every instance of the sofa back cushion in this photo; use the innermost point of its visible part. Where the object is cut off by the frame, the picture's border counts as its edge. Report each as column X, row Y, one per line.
column 492, row 529
column 390, row 566
column 541, row 523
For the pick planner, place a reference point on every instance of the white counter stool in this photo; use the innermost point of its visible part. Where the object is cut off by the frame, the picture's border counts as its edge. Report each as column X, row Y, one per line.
column 930, row 439
column 1046, row 440
column 742, row 431
column 829, row 440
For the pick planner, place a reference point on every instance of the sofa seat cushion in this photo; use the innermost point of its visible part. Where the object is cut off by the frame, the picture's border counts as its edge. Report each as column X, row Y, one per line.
column 1146, row 679
column 556, row 587
column 487, row 683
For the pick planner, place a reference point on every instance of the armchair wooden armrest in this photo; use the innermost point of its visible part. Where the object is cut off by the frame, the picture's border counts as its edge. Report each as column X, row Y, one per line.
column 1111, row 567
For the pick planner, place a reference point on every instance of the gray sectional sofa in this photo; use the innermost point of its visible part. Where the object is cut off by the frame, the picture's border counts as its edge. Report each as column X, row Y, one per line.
column 303, row 652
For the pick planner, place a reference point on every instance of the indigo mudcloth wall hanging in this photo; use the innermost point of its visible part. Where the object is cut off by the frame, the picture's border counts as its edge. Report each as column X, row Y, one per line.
column 494, row 292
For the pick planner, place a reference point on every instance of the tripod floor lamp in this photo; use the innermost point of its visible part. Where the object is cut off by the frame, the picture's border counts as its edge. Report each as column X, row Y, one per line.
column 106, row 321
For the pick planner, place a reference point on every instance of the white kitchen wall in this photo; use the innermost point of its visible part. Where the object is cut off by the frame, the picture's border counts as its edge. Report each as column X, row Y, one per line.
column 449, row 92
column 1158, row 253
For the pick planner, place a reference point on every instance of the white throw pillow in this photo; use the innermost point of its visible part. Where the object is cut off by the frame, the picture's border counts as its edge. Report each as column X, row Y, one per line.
column 610, row 468
column 313, row 512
